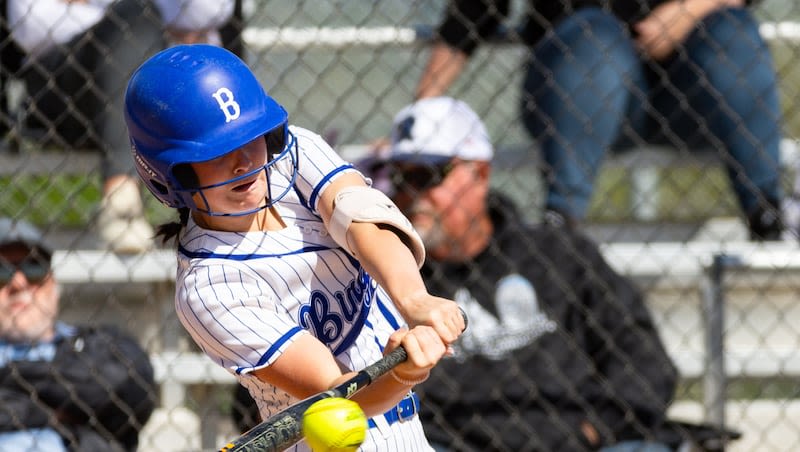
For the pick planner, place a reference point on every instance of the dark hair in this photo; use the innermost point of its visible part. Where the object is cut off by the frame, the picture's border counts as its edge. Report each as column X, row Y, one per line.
column 187, row 178
column 185, row 175
column 169, row 230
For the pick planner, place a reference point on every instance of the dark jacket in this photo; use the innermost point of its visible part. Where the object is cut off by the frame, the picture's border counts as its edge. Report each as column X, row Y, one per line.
column 97, row 392
column 556, row 337
column 468, row 23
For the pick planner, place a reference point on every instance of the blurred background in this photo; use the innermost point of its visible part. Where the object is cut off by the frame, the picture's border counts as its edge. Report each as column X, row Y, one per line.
column 343, row 68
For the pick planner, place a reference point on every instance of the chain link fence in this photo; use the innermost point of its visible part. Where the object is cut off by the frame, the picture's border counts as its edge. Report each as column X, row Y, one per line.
column 664, row 216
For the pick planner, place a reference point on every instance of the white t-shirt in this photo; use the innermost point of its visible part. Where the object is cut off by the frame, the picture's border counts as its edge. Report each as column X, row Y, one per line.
column 195, row 15
column 37, row 25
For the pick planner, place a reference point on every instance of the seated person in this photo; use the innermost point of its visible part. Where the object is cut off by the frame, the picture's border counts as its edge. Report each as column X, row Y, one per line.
column 62, row 387
column 561, row 353
column 687, row 73
column 76, row 58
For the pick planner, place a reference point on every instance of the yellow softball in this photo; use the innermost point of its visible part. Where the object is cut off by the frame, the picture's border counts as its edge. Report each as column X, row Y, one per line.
column 334, row 425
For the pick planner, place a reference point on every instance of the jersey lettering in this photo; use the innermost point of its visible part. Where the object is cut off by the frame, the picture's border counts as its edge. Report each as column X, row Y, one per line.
column 350, row 300
column 227, row 104
column 326, row 319
column 317, row 317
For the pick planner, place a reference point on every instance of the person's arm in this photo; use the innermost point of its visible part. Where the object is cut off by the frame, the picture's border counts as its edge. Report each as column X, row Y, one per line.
column 444, row 66
column 391, row 263
column 307, row 367
column 20, row 411
column 107, row 371
column 670, row 23
column 466, row 24
column 262, row 338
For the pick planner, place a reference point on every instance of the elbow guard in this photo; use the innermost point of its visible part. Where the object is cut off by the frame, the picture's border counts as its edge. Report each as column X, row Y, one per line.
column 367, row 205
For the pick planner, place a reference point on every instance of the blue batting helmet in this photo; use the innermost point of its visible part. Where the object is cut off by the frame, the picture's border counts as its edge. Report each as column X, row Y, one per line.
column 195, row 103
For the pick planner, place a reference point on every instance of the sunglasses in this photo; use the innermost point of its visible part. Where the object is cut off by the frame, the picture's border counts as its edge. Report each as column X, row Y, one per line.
column 35, row 271
column 419, row 177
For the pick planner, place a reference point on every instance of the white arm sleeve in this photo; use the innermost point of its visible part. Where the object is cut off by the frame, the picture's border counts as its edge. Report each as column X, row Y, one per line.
column 367, row 205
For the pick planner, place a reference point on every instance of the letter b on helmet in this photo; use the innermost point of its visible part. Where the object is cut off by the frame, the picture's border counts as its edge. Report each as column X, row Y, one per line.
column 228, row 105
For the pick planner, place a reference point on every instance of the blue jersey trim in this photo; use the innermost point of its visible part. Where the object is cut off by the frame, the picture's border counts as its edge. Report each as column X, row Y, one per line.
column 244, row 257
column 312, row 200
column 275, row 347
column 386, row 313
column 303, row 201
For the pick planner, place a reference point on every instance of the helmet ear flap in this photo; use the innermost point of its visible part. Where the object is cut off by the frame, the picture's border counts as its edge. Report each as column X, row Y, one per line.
column 185, row 176
column 276, row 141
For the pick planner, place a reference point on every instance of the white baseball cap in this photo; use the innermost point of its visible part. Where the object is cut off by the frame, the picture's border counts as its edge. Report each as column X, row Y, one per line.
column 437, row 129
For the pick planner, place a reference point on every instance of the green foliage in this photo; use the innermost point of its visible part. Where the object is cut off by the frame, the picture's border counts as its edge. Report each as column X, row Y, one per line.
column 67, row 200
column 685, row 194
column 70, row 201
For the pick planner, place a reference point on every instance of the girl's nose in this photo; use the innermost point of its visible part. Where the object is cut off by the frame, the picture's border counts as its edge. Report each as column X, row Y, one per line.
column 243, row 162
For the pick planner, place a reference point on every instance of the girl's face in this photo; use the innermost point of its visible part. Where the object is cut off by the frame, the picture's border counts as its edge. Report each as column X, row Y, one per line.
column 243, row 195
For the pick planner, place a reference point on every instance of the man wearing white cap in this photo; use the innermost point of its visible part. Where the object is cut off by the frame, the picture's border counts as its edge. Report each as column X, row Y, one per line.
column 561, row 353
column 441, row 141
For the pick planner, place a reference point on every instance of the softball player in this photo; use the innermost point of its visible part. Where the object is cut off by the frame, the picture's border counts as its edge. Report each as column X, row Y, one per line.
column 292, row 272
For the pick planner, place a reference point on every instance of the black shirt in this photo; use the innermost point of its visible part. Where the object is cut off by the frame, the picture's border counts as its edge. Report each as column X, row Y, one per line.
column 555, row 337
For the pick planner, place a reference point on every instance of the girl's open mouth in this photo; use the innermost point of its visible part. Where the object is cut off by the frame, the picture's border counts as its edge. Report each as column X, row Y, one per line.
column 244, row 187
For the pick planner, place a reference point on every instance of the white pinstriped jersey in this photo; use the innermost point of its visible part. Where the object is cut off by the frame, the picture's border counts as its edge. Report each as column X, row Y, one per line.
column 244, row 297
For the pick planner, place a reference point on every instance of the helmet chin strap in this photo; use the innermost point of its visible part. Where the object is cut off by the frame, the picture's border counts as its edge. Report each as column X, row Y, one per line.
column 289, row 151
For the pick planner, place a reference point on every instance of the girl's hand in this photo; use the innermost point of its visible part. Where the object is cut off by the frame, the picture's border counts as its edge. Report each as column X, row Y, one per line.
column 443, row 315
column 667, row 26
column 424, row 348
column 670, row 23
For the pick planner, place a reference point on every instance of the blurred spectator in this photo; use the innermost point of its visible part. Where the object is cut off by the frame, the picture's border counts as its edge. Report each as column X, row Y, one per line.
column 62, row 387
column 561, row 352
column 195, row 21
column 75, row 58
column 688, row 73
